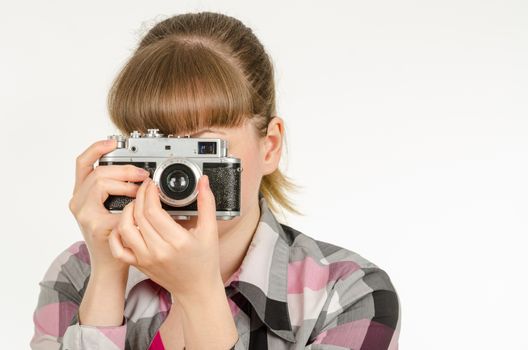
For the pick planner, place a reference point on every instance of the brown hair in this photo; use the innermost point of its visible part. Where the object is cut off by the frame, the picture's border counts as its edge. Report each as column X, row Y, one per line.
column 197, row 70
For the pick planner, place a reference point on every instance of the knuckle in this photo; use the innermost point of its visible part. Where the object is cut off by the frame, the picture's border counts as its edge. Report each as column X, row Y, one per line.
column 99, row 182
column 72, row 205
column 132, row 188
column 97, row 171
column 101, row 170
column 117, row 255
column 93, row 227
column 147, row 262
column 162, row 256
column 178, row 244
column 128, row 228
column 81, row 217
column 86, row 221
column 122, row 228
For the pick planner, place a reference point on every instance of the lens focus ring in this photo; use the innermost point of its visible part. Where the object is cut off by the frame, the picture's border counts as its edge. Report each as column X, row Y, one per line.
column 177, row 179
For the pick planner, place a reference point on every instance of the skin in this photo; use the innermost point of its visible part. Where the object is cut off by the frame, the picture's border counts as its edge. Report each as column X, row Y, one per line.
column 191, row 259
column 258, row 157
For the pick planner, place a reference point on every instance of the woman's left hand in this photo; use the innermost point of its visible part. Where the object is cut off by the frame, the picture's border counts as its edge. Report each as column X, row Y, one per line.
column 184, row 262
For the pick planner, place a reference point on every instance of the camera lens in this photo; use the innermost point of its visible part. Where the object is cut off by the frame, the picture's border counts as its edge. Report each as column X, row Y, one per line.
column 177, row 181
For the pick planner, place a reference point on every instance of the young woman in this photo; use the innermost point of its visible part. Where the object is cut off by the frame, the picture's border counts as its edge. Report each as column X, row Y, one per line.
column 142, row 280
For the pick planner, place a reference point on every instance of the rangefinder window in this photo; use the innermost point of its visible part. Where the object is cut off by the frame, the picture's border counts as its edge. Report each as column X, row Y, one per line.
column 206, row 147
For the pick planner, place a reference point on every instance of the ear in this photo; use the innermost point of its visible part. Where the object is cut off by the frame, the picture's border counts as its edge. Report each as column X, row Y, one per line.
column 272, row 145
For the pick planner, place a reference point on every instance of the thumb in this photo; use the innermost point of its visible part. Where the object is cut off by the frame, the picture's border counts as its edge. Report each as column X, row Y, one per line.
column 206, row 206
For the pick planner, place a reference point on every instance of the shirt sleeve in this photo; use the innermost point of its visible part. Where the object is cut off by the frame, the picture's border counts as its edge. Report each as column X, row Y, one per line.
column 363, row 312
column 56, row 319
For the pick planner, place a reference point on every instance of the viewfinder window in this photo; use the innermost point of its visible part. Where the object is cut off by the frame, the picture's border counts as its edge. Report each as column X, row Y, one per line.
column 206, row 147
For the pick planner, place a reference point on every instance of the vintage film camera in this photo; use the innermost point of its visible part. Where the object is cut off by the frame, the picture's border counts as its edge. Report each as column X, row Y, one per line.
column 175, row 164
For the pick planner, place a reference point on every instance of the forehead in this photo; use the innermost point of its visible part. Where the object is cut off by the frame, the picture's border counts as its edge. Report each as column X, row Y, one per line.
column 244, row 132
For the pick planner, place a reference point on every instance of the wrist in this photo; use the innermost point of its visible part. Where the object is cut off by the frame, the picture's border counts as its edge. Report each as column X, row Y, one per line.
column 111, row 272
column 208, row 312
column 213, row 291
column 104, row 299
column 108, row 281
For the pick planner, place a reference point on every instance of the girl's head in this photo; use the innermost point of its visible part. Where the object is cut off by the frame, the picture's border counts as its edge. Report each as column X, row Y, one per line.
column 206, row 74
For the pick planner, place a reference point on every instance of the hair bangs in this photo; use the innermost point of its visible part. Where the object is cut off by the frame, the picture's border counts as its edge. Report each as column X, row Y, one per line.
column 179, row 87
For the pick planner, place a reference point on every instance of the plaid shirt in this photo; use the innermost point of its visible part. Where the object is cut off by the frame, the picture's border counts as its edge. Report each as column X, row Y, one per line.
column 290, row 292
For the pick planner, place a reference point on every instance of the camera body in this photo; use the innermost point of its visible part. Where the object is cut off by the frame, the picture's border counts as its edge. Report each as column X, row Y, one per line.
column 175, row 164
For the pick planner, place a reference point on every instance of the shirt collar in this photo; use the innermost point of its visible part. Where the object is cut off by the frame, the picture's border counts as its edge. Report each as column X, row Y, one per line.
column 262, row 277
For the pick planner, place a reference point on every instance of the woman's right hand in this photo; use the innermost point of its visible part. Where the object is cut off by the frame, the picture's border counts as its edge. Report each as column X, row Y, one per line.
column 92, row 188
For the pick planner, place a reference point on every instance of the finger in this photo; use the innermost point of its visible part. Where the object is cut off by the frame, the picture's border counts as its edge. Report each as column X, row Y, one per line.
column 97, row 194
column 101, row 187
column 85, row 161
column 127, row 172
column 106, row 187
column 119, row 251
column 206, row 205
column 130, row 233
column 158, row 217
column 150, row 234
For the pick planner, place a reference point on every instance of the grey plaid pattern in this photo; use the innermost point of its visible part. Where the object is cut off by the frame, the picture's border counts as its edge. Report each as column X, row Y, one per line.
column 290, row 292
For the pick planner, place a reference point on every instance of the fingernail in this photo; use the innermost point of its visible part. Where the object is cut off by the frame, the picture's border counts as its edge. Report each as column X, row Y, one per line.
column 109, row 142
column 206, row 180
column 143, row 172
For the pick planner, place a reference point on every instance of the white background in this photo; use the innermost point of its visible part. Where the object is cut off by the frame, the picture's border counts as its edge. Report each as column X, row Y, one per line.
column 406, row 125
